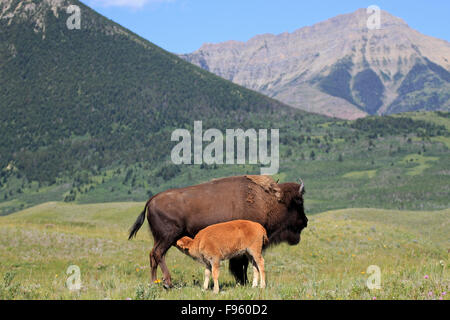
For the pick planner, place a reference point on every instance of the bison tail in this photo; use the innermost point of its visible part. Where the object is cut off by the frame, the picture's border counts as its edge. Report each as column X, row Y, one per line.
column 265, row 240
column 138, row 223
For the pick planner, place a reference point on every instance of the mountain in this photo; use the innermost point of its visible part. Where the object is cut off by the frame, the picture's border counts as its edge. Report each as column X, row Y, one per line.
column 339, row 67
column 86, row 116
column 85, row 99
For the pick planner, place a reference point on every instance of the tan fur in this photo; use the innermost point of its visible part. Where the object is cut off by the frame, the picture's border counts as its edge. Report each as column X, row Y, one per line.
column 267, row 183
column 226, row 240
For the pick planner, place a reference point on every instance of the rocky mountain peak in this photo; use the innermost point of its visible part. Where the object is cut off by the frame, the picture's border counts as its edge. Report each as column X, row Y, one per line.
column 324, row 67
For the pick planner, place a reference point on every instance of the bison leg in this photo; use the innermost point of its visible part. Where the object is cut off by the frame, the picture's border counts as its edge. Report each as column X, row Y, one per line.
column 260, row 264
column 165, row 270
column 153, row 263
column 238, row 268
column 207, row 276
column 157, row 258
column 255, row 275
column 215, row 274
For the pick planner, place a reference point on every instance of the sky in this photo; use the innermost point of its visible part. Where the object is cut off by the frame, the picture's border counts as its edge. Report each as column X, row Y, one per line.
column 182, row 26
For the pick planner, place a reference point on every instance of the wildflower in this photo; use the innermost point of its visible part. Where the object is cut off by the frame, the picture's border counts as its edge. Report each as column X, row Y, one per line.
column 430, row 293
column 374, row 298
column 363, row 272
column 128, row 299
column 426, row 277
column 444, row 293
column 441, row 298
column 137, row 269
column 157, row 281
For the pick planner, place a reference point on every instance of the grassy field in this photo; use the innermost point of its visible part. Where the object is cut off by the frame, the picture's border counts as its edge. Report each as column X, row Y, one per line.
column 37, row 245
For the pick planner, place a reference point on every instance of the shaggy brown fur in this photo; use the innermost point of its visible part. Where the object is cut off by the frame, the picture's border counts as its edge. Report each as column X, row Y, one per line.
column 226, row 240
column 175, row 213
column 268, row 184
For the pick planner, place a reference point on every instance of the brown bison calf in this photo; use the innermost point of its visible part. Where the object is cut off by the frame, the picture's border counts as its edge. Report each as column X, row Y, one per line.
column 224, row 241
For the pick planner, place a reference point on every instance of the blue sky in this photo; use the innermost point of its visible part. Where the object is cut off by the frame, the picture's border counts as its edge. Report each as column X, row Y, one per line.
column 182, row 26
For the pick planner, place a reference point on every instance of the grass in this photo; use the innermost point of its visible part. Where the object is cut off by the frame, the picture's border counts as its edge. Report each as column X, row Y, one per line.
column 38, row 244
column 420, row 162
column 368, row 174
column 443, row 140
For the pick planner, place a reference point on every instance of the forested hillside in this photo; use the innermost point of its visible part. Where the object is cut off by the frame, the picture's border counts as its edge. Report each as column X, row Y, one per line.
column 85, row 99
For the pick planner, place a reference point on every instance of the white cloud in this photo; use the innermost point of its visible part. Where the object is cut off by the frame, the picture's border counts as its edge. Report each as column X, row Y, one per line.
column 125, row 3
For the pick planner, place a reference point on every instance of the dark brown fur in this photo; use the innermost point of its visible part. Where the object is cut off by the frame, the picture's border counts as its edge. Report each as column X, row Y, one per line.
column 175, row 213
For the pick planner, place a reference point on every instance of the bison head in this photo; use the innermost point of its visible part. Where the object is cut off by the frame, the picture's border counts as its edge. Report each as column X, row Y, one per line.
column 294, row 220
column 184, row 244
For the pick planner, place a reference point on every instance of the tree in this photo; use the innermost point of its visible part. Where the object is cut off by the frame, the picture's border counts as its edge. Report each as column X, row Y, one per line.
column 70, row 197
column 288, row 153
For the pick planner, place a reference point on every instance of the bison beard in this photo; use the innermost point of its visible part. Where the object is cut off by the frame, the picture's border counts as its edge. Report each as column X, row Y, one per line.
column 175, row 213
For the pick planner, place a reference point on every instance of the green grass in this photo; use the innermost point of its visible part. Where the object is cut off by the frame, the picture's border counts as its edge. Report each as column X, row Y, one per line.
column 37, row 246
column 368, row 174
column 420, row 162
column 444, row 140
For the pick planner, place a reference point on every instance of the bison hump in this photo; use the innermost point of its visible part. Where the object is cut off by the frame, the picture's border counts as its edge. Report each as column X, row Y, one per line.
column 267, row 184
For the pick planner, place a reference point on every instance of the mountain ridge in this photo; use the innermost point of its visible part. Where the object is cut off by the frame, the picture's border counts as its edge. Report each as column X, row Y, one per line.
column 289, row 66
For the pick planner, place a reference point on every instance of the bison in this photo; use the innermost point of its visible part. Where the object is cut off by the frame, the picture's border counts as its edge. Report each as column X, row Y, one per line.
column 224, row 241
column 176, row 213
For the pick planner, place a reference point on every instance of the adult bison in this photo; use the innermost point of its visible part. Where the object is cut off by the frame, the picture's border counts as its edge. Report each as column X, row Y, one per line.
column 176, row 213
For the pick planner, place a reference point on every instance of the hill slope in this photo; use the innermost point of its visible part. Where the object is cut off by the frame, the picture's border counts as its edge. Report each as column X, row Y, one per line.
column 396, row 162
column 339, row 67
column 88, row 98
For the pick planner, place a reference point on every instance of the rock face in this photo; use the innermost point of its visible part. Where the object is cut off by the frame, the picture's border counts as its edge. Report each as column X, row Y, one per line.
column 340, row 67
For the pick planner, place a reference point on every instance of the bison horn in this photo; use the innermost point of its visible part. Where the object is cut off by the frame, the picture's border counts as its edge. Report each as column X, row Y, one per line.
column 302, row 186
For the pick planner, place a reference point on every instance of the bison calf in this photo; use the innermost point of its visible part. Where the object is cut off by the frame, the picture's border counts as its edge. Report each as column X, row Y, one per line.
column 224, row 241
